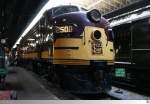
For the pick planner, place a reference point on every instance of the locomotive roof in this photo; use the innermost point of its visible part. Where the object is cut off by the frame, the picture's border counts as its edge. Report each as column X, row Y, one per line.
column 77, row 7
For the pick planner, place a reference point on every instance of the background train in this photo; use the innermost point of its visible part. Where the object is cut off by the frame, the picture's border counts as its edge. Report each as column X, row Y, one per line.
column 3, row 70
column 70, row 46
column 132, row 45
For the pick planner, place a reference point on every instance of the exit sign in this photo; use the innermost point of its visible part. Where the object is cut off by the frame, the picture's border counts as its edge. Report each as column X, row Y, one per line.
column 120, row 72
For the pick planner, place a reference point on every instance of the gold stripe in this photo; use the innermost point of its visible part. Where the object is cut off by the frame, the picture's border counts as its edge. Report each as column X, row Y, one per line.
column 72, row 62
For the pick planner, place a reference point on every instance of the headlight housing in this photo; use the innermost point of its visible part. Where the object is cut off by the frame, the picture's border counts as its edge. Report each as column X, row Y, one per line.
column 94, row 15
column 96, row 35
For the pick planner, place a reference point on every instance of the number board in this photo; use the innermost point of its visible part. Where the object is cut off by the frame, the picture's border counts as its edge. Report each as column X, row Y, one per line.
column 63, row 29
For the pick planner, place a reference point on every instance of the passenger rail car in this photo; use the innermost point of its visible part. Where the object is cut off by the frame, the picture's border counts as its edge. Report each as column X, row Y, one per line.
column 133, row 53
column 3, row 70
column 81, row 55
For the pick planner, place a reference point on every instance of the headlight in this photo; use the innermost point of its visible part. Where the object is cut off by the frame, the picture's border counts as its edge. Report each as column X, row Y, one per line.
column 94, row 15
column 96, row 35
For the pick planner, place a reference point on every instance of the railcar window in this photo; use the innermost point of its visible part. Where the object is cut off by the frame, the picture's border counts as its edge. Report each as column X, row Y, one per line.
column 1, row 52
column 122, row 42
column 1, row 58
column 141, row 36
column 65, row 9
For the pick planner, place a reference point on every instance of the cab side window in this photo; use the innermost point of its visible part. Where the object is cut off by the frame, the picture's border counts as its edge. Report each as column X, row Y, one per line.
column 141, row 36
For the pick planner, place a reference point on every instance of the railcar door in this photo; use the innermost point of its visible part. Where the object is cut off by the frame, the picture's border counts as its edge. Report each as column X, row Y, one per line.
column 122, row 44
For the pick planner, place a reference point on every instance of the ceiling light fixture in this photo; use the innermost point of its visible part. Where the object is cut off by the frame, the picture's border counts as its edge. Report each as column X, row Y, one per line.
column 34, row 21
column 30, row 39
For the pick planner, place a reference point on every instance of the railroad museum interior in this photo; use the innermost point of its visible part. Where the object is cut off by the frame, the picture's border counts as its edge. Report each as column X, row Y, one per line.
column 74, row 49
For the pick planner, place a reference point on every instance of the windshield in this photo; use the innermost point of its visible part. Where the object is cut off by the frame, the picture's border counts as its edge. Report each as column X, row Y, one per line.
column 64, row 9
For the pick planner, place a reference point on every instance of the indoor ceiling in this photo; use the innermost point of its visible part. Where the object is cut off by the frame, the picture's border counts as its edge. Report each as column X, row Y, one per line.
column 104, row 6
column 14, row 16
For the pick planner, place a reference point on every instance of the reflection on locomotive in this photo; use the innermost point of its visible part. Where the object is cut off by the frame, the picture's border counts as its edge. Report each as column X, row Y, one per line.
column 77, row 52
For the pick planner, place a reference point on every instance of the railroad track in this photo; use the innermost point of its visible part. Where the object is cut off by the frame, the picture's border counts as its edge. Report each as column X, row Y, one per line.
column 115, row 94
column 123, row 94
column 95, row 97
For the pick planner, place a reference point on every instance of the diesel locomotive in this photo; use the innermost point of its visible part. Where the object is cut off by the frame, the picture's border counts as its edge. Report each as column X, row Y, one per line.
column 73, row 46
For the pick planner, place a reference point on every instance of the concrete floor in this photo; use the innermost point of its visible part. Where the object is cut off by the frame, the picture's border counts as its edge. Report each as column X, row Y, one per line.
column 26, row 85
column 30, row 86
